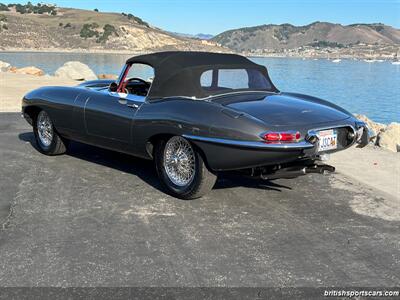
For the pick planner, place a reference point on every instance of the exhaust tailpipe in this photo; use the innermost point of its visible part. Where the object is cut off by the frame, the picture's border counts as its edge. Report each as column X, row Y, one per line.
column 293, row 172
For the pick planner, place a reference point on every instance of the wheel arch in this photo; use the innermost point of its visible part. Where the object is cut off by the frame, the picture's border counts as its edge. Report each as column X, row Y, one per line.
column 152, row 141
column 31, row 112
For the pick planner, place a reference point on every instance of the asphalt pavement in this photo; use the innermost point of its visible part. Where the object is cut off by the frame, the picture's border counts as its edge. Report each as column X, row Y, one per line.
column 93, row 217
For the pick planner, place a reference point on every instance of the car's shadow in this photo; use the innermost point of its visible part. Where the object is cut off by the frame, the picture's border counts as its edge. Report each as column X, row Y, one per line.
column 142, row 168
column 145, row 170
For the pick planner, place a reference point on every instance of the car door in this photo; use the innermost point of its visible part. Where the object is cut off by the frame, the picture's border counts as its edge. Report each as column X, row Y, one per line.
column 108, row 119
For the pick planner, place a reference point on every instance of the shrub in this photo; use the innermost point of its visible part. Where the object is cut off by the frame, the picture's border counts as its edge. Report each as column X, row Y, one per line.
column 68, row 25
column 378, row 27
column 5, row 27
column 137, row 20
column 60, row 24
column 4, row 7
column 20, row 8
column 35, row 9
column 108, row 30
column 88, row 32
column 3, row 18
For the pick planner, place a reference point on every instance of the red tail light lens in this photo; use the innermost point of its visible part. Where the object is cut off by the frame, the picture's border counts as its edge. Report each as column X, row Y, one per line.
column 271, row 137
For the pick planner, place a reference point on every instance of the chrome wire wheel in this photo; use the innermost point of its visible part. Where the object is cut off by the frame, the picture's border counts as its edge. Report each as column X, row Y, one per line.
column 179, row 161
column 44, row 129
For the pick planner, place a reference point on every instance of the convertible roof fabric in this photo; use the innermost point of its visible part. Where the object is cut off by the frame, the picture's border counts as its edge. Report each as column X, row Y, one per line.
column 177, row 73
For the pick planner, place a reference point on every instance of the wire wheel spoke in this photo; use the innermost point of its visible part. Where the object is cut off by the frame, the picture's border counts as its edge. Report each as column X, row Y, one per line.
column 179, row 161
column 44, row 128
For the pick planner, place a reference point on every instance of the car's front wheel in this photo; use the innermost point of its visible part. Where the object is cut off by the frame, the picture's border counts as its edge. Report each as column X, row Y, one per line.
column 47, row 139
column 182, row 169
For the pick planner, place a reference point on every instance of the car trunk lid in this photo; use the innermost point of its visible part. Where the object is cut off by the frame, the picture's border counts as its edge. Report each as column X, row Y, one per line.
column 286, row 109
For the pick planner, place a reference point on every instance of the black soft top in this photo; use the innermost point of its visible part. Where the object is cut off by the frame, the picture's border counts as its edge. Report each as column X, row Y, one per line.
column 177, row 73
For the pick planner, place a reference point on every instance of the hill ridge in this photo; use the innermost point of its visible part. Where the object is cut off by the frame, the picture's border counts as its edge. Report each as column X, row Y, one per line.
column 289, row 36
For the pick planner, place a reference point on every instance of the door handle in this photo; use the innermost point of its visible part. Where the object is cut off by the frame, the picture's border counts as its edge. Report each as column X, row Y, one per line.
column 133, row 105
column 129, row 104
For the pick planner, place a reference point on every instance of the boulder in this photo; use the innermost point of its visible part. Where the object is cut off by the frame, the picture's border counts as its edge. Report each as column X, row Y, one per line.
column 28, row 70
column 390, row 138
column 76, row 70
column 107, row 76
column 4, row 67
column 376, row 127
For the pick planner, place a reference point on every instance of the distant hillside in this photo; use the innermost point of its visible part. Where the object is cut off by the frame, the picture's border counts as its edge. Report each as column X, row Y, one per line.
column 204, row 36
column 318, row 34
column 200, row 36
column 49, row 27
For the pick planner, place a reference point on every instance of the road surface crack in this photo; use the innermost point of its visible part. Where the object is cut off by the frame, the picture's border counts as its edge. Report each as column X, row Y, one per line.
column 7, row 223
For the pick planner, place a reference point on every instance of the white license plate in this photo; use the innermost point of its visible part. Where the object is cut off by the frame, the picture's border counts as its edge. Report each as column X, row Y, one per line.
column 327, row 140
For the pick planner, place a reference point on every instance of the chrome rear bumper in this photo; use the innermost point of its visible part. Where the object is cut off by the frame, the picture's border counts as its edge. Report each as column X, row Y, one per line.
column 363, row 134
column 253, row 144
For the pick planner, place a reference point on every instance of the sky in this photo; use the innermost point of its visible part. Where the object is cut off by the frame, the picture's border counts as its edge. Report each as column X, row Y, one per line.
column 216, row 16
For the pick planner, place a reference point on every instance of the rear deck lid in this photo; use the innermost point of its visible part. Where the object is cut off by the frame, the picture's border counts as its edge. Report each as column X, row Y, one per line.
column 285, row 109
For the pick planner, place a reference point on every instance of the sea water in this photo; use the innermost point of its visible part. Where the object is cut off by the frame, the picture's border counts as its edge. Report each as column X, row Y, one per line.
column 360, row 87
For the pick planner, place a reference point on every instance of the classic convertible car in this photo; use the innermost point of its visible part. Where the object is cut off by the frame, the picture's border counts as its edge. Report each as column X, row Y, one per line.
column 200, row 114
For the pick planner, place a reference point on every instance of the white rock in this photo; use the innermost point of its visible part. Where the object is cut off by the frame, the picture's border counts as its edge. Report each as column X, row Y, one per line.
column 390, row 138
column 4, row 67
column 76, row 70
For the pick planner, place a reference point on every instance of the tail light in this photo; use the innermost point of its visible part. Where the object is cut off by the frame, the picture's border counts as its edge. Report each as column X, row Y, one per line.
column 278, row 137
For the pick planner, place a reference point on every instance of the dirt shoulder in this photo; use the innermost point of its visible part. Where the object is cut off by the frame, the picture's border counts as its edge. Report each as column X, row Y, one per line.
column 373, row 166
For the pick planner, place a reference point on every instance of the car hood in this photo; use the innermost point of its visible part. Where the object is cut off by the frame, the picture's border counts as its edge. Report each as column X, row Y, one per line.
column 286, row 109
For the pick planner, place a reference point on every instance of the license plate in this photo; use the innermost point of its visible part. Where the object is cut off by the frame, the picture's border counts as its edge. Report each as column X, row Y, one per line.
column 327, row 140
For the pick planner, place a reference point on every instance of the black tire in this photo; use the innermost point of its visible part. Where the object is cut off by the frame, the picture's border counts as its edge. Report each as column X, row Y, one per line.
column 202, row 182
column 56, row 145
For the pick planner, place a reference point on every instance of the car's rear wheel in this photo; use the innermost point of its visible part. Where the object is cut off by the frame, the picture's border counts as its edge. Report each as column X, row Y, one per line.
column 47, row 138
column 182, row 169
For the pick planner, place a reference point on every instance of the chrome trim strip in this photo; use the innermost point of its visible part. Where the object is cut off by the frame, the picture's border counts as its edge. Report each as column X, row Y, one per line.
column 250, row 144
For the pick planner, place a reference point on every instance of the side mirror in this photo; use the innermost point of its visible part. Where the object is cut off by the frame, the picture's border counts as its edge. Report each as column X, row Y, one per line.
column 113, row 87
